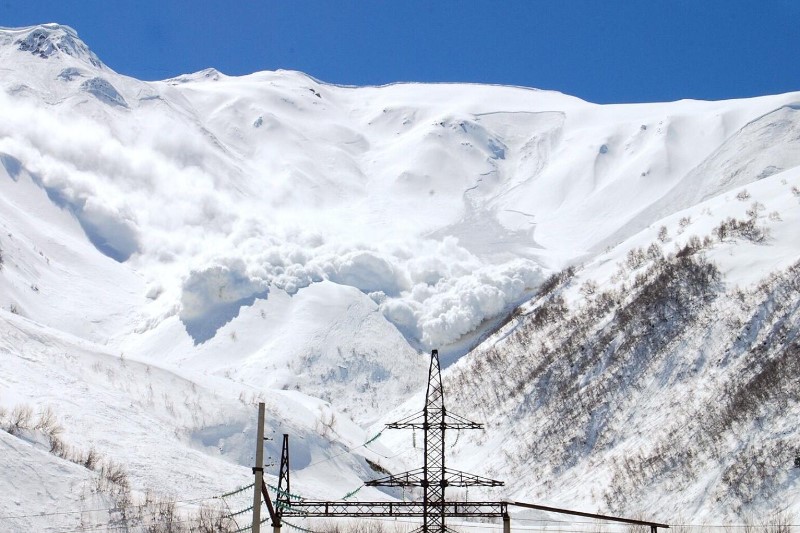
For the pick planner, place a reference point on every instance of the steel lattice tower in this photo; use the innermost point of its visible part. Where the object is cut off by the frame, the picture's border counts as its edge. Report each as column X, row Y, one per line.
column 283, row 499
column 434, row 477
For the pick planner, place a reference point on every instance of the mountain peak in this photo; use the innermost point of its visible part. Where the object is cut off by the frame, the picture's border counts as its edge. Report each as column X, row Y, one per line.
column 47, row 40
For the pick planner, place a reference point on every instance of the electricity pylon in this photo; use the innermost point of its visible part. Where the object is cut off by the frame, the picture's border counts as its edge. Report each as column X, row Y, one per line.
column 434, row 477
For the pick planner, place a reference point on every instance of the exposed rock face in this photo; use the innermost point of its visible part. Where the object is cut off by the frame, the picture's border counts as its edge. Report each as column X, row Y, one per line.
column 49, row 39
column 104, row 91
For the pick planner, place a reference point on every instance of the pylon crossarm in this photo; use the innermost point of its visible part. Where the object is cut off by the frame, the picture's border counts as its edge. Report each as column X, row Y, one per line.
column 450, row 420
column 416, row 420
column 456, row 478
column 455, row 421
column 412, row 478
column 446, row 421
column 416, row 478
column 407, row 425
column 394, row 509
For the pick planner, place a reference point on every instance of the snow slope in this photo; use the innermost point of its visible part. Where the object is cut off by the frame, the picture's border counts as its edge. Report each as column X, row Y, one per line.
column 224, row 239
column 660, row 377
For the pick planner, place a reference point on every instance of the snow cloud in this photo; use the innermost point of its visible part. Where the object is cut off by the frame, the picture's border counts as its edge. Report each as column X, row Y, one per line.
column 213, row 297
column 214, row 230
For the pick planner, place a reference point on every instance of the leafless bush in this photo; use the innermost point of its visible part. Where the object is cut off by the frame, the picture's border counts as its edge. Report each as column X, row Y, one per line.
column 91, row 459
column 212, row 519
column 554, row 281
column 360, row 526
column 746, row 229
column 635, row 258
column 546, row 313
column 57, row 446
column 155, row 515
column 113, row 480
column 692, row 246
column 114, row 473
column 47, row 423
column 779, row 523
column 755, row 209
column 655, row 252
column 663, row 234
column 638, row 528
column 326, row 423
column 588, row 288
column 21, row 417
column 159, row 514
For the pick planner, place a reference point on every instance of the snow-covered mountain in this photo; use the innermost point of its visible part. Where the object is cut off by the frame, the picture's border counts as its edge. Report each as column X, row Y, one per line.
column 174, row 251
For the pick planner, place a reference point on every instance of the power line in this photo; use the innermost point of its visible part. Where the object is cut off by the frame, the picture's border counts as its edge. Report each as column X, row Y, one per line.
column 350, row 450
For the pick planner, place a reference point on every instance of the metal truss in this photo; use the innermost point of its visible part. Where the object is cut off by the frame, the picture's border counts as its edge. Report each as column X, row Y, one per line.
column 314, row 509
column 434, row 477
column 416, row 478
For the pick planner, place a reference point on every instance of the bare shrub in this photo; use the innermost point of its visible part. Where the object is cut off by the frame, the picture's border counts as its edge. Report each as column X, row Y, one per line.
column 755, row 209
column 212, row 519
column 743, row 195
column 158, row 515
column 359, row 526
column 692, row 246
column 47, row 423
column 91, row 459
column 114, row 473
column 555, row 280
column 57, row 447
column 746, row 229
column 112, row 479
column 635, row 258
column 638, row 528
column 547, row 313
column 21, row 417
column 589, row 287
column 779, row 523
column 326, row 423
column 655, row 252
column 663, row 235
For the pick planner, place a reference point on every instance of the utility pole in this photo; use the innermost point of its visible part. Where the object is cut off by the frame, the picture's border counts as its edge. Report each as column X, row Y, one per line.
column 258, row 470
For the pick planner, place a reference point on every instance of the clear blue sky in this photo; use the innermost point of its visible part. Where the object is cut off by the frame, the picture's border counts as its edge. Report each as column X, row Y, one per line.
column 612, row 51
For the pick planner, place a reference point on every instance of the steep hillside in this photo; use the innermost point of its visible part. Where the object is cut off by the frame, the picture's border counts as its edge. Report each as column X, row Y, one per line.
column 659, row 378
